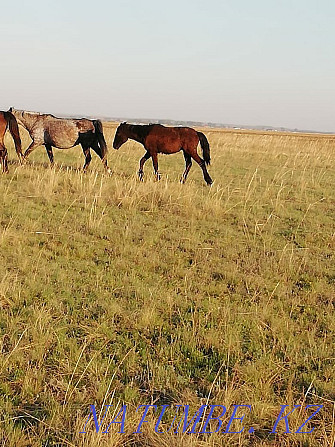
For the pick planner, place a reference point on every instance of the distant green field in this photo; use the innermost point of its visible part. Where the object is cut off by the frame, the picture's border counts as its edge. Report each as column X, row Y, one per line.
column 119, row 292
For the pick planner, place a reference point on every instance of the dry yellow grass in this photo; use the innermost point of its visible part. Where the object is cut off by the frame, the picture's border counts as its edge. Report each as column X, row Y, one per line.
column 120, row 292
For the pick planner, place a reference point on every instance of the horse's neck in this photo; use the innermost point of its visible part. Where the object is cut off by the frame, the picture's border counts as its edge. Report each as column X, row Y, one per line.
column 28, row 119
column 137, row 133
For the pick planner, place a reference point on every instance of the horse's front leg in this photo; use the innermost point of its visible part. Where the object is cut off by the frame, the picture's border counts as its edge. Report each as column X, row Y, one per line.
column 142, row 161
column 155, row 165
column 33, row 145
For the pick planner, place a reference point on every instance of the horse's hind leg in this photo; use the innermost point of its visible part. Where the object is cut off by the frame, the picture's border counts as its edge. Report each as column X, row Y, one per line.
column 88, row 157
column 3, row 158
column 202, row 165
column 48, row 148
column 95, row 146
column 188, row 163
column 142, row 161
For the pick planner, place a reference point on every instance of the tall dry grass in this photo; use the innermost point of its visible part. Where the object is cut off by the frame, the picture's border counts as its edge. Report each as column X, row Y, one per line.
column 120, row 292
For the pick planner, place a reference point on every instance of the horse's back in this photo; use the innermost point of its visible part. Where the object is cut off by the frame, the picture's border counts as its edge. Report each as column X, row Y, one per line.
column 188, row 137
column 81, row 125
column 187, row 133
column 163, row 139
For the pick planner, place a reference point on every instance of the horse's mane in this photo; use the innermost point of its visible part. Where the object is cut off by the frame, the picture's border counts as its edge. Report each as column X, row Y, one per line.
column 142, row 130
column 29, row 112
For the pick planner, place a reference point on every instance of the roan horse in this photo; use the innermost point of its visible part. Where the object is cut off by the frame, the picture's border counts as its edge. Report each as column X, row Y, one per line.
column 8, row 121
column 166, row 140
column 63, row 133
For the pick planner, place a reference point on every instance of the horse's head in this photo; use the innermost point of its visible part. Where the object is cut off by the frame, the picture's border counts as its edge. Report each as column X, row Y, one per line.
column 121, row 136
column 13, row 110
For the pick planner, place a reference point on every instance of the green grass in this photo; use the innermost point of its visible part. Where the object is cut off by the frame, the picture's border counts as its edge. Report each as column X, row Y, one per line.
column 115, row 291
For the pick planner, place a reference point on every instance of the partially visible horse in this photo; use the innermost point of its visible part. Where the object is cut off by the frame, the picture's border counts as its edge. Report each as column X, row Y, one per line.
column 63, row 133
column 158, row 139
column 8, row 121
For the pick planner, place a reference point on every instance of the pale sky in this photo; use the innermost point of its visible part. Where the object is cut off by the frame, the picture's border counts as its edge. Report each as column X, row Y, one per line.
column 261, row 62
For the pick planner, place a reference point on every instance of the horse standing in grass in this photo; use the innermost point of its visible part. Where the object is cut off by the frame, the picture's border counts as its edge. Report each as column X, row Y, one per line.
column 8, row 121
column 158, row 139
column 63, row 133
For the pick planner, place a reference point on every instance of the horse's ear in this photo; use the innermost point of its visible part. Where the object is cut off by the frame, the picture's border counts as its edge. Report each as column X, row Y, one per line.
column 11, row 109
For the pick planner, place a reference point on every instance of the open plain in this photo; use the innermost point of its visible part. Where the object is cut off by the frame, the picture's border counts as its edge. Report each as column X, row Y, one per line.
column 114, row 291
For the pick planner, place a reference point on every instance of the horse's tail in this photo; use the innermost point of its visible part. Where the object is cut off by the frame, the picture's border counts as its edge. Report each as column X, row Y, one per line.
column 205, row 148
column 101, row 139
column 14, row 130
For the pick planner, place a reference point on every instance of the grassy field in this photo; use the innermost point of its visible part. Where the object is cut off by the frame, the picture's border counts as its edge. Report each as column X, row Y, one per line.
column 119, row 292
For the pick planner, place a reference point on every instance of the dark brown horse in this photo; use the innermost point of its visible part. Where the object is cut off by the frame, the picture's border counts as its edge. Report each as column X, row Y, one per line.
column 8, row 121
column 158, row 139
column 63, row 133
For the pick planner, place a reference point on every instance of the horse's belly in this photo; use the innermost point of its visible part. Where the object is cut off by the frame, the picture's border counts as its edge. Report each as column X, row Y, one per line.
column 62, row 136
column 165, row 144
column 169, row 147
